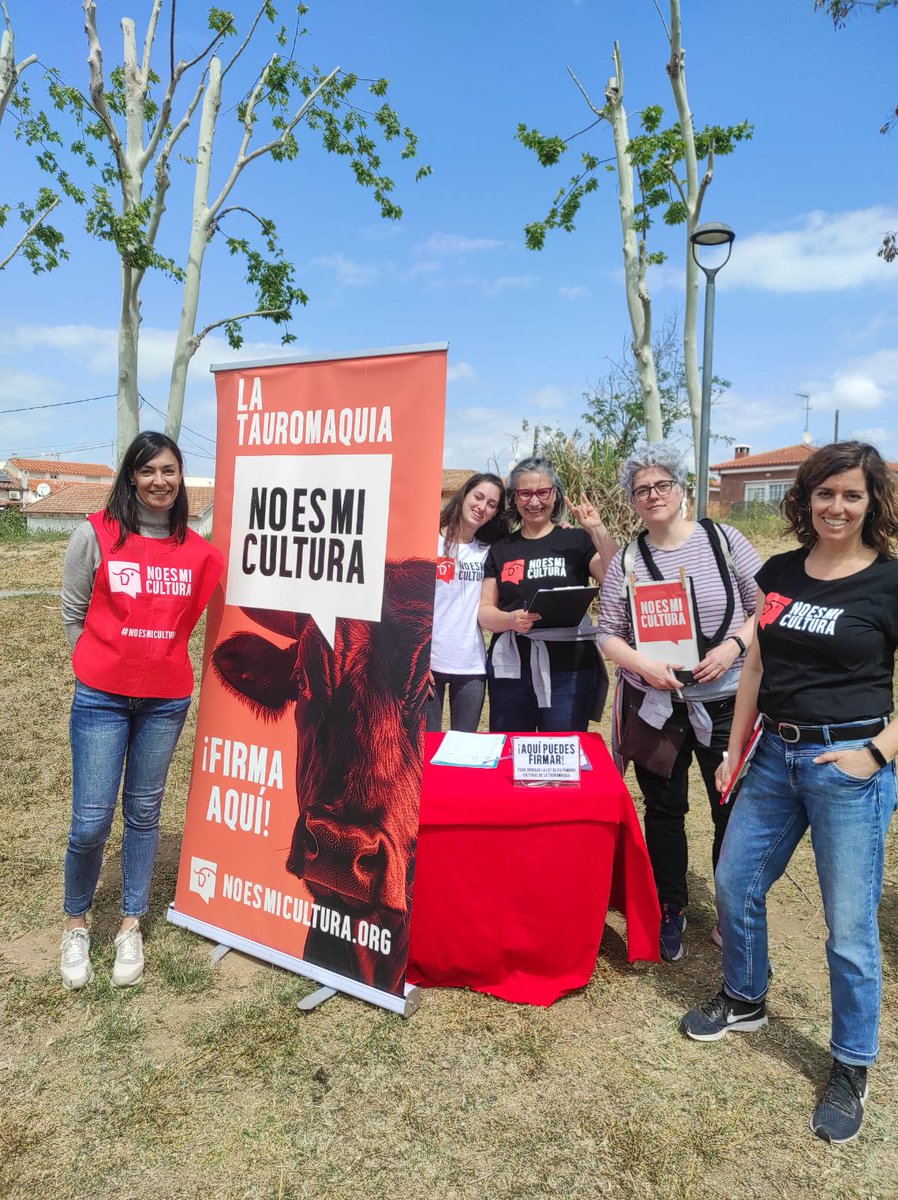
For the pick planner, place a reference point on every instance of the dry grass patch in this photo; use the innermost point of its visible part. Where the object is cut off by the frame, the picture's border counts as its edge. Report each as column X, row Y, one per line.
column 209, row 1082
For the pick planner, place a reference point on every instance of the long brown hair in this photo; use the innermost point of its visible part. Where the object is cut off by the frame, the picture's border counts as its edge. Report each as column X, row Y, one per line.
column 122, row 503
column 880, row 528
column 450, row 517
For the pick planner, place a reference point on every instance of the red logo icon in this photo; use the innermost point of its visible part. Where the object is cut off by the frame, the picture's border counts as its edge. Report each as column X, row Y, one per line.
column 445, row 569
column 512, row 572
column 773, row 609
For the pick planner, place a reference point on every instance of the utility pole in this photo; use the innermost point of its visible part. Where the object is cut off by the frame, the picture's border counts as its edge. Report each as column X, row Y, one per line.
column 836, row 427
column 807, row 408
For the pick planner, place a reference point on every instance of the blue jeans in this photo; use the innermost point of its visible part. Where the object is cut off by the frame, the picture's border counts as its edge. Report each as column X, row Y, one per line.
column 576, row 695
column 110, row 733
column 466, row 694
column 783, row 794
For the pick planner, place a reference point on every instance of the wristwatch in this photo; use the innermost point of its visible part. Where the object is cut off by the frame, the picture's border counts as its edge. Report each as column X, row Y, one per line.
column 739, row 642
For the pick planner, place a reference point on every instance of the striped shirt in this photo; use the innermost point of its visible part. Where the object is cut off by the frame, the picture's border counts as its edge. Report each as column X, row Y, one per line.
column 697, row 559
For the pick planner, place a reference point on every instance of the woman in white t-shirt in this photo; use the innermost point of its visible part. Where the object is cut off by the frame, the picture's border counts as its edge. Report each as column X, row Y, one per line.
column 469, row 524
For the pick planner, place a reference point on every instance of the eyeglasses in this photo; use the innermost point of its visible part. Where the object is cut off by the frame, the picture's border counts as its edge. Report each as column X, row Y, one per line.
column 525, row 494
column 663, row 487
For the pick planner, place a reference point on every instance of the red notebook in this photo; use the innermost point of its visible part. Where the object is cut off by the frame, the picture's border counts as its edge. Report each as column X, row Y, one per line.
column 744, row 763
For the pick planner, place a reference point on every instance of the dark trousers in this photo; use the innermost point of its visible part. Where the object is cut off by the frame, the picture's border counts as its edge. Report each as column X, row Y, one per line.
column 466, row 693
column 577, row 697
column 666, row 806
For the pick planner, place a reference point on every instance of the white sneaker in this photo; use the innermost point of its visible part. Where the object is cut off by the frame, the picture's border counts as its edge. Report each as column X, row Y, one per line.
column 128, row 968
column 74, row 959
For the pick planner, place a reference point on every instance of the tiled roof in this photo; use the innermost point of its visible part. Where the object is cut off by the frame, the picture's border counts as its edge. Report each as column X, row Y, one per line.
column 199, row 499
column 49, row 466
column 789, row 456
column 74, row 498
column 53, row 485
column 453, row 479
column 84, row 498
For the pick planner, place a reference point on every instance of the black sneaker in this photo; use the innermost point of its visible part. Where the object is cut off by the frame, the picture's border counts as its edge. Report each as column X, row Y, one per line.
column 673, row 922
column 722, row 1015
column 837, row 1118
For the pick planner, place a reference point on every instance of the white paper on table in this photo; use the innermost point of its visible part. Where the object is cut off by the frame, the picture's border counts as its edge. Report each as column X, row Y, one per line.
column 469, row 749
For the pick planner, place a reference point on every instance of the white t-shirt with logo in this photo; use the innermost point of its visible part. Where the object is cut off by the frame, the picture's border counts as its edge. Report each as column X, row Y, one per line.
column 458, row 647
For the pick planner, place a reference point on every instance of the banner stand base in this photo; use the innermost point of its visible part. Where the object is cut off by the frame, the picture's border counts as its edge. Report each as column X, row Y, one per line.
column 218, row 953
column 405, row 1005
column 315, row 999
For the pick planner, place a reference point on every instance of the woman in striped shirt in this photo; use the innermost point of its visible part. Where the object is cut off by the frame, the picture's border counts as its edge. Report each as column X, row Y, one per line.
column 662, row 721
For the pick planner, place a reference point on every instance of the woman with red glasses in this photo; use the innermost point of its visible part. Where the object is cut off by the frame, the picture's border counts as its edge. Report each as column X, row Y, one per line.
column 662, row 722
column 553, row 679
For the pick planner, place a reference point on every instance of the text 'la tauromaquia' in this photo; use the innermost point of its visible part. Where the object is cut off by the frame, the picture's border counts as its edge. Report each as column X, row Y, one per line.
column 256, row 426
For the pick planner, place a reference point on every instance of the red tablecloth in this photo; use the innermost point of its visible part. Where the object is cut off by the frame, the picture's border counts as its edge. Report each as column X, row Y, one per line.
column 512, row 884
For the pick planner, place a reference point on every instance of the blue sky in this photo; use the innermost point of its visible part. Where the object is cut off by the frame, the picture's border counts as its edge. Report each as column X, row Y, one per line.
column 804, row 306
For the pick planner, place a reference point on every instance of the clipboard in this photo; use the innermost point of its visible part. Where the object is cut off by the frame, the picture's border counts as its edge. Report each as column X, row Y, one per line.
column 562, row 607
column 664, row 620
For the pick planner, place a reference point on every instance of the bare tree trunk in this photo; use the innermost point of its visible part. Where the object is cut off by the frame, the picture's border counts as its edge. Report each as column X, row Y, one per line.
column 9, row 69
column 639, row 304
column 692, row 195
column 185, row 344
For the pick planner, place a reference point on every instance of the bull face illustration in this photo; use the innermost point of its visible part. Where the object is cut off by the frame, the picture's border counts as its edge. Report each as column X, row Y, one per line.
column 359, row 712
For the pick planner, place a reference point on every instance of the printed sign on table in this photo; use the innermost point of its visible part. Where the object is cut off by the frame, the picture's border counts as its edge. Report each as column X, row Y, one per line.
column 303, row 809
column 545, row 759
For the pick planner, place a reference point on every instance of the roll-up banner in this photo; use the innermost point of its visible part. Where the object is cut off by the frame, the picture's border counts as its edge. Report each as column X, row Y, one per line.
column 302, row 815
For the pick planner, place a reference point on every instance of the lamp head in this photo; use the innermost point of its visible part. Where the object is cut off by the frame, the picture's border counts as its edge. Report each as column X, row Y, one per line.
column 711, row 233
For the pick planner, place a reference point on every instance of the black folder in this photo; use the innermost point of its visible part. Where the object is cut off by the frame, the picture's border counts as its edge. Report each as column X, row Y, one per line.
column 561, row 608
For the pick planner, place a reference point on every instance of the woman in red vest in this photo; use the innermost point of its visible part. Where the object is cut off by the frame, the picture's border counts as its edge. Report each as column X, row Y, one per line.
column 135, row 582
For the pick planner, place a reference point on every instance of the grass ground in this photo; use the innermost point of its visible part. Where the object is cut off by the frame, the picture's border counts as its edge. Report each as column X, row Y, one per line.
column 208, row 1082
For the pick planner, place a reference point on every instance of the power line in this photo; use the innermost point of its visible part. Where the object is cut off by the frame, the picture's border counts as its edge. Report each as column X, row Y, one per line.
column 198, row 450
column 59, row 404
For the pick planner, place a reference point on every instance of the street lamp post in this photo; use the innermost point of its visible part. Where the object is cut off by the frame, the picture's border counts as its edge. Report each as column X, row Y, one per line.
column 711, row 233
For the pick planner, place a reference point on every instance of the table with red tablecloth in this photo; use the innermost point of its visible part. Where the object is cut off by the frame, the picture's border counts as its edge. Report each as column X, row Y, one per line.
column 512, row 883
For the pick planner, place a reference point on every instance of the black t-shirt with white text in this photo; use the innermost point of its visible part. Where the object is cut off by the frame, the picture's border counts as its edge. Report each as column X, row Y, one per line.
column 827, row 646
column 521, row 566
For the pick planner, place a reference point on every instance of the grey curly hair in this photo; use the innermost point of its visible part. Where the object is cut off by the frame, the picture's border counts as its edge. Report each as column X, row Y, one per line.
column 663, row 455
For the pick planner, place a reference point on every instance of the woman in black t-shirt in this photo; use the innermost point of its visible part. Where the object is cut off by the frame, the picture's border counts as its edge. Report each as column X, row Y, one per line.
column 820, row 674
column 553, row 681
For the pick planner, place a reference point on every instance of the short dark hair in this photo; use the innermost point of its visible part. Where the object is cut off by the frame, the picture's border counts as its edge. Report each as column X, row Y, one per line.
column 450, row 516
column 541, row 466
column 880, row 529
column 122, row 505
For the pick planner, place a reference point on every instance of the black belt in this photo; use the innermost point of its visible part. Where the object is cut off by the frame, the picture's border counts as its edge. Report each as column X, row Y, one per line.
column 818, row 733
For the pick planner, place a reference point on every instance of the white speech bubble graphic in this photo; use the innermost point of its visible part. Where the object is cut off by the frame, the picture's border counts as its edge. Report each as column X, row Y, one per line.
column 202, row 878
column 124, row 577
column 309, row 535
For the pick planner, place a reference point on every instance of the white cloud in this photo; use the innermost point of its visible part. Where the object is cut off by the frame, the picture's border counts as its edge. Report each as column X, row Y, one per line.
column 864, row 385
column 349, row 272
column 577, row 292
column 24, row 389
column 549, row 399
column 504, row 283
column 479, row 438
column 829, row 252
column 92, row 347
column 451, row 245
column 461, row 373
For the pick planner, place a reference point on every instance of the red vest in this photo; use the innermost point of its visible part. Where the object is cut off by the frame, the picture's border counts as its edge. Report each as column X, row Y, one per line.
column 147, row 597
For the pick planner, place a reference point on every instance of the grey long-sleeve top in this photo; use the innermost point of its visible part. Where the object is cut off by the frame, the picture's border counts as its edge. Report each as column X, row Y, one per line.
column 82, row 561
